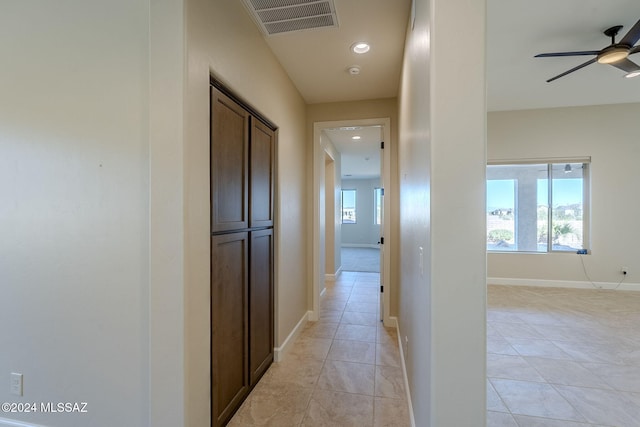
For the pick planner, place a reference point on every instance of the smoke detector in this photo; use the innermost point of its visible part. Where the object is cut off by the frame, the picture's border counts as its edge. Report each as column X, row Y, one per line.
column 354, row 70
column 284, row 16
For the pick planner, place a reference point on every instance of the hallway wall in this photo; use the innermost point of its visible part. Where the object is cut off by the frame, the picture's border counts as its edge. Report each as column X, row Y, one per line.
column 332, row 225
column 74, row 216
column 223, row 40
column 443, row 273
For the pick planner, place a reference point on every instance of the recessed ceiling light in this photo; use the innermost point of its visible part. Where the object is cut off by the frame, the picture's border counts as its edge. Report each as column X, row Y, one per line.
column 356, row 137
column 631, row 74
column 360, row 47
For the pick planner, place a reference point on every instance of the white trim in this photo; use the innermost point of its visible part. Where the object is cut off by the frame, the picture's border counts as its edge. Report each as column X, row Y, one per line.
column 318, row 177
column 5, row 422
column 360, row 245
column 563, row 284
column 412, row 419
column 585, row 159
column 332, row 277
column 280, row 352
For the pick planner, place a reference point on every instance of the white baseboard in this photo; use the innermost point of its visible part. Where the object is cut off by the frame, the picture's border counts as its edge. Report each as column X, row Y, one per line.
column 5, row 422
column 280, row 352
column 404, row 372
column 563, row 284
column 359, row 245
column 333, row 277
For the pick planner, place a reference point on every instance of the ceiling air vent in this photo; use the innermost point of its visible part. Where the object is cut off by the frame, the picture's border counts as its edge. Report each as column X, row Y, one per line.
column 283, row 16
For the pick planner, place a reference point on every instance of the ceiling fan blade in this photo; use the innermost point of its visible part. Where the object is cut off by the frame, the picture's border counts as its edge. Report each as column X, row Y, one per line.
column 589, row 62
column 632, row 36
column 634, row 50
column 626, row 65
column 581, row 53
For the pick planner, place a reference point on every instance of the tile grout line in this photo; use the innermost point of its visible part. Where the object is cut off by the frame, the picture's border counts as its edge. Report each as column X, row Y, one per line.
column 374, row 344
column 324, row 361
column 602, row 328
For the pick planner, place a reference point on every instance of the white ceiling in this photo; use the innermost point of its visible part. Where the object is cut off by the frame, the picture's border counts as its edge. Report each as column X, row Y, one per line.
column 360, row 158
column 317, row 60
column 517, row 30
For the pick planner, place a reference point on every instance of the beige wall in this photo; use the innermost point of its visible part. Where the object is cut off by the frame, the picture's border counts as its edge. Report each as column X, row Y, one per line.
column 608, row 134
column 358, row 110
column 223, row 40
column 74, row 179
column 332, row 222
column 166, row 216
column 442, row 131
column 329, row 212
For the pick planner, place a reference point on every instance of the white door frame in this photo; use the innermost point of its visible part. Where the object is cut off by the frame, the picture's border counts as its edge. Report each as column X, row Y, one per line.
column 319, row 210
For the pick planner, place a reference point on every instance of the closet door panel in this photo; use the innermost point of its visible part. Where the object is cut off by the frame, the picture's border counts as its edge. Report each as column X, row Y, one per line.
column 229, row 164
column 229, row 328
column 260, row 303
column 262, row 174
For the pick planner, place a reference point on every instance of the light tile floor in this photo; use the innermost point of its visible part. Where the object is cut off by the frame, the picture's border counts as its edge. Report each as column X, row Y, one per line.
column 343, row 370
column 562, row 357
column 555, row 358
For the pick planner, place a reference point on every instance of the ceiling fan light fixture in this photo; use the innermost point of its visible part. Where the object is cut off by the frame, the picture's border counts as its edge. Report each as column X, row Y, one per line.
column 613, row 54
column 632, row 74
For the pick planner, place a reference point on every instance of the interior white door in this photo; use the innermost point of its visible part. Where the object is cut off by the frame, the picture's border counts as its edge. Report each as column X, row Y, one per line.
column 381, row 245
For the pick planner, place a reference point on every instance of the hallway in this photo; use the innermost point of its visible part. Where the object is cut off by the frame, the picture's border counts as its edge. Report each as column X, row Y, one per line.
column 343, row 370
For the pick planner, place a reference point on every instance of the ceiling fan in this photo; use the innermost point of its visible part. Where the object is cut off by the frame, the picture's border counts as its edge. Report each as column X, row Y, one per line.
column 615, row 54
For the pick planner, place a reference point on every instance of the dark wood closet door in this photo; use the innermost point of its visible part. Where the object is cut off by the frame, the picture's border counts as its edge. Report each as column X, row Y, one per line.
column 260, row 303
column 229, row 330
column 261, row 174
column 229, row 164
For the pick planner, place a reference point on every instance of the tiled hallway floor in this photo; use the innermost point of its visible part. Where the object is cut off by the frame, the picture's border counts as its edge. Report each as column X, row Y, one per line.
column 343, row 370
column 563, row 357
column 555, row 358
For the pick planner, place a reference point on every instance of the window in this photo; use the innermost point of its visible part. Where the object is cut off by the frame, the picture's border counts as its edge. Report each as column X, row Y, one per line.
column 377, row 205
column 537, row 207
column 348, row 206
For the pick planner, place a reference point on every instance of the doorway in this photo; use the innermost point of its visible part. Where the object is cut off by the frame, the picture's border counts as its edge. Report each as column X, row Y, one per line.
column 332, row 209
column 331, row 232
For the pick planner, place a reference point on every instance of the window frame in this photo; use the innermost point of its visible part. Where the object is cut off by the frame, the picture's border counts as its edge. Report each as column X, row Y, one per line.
column 355, row 205
column 586, row 201
column 377, row 219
